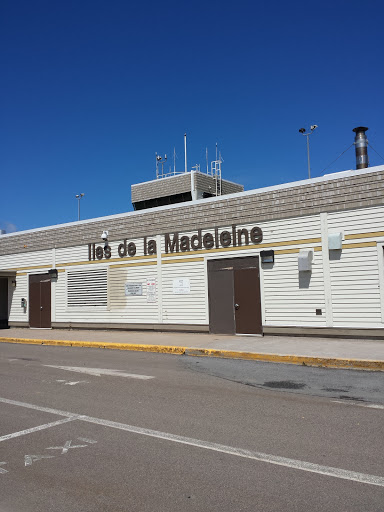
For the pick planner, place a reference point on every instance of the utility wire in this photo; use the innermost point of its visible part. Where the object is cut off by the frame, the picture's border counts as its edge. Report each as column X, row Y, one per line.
column 341, row 154
column 370, row 145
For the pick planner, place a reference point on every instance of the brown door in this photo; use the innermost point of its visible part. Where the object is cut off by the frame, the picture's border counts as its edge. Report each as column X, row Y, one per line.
column 3, row 302
column 234, row 296
column 220, row 294
column 247, row 301
column 40, row 300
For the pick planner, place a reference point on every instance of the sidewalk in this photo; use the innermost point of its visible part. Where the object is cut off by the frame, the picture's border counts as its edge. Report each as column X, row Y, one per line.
column 327, row 352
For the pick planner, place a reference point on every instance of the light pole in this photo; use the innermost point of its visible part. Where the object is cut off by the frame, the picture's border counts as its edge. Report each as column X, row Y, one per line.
column 302, row 131
column 78, row 197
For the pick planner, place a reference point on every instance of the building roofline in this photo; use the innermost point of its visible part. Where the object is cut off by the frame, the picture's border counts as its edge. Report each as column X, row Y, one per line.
column 182, row 175
column 293, row 184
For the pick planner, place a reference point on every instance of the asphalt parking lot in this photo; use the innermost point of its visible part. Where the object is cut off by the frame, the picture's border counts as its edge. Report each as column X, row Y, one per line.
column 89, row 430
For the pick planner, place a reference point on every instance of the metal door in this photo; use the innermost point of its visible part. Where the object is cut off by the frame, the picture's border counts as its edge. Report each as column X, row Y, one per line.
column 3, row 302
column 40, row 300
column 247, row 301
column 220, row 294
column 234, row 296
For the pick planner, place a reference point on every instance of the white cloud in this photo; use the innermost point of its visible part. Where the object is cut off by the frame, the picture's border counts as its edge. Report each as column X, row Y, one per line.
column 8, row 226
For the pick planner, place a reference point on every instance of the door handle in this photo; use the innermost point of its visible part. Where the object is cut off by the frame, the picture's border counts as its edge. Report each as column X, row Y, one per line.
column 237, row 306
column 41, row 308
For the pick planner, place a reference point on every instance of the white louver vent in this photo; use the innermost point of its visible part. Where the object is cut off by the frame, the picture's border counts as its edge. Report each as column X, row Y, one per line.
column 87, row 288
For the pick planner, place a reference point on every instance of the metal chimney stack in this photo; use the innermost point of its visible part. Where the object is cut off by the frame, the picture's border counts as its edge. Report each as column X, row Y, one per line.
column 361, row 144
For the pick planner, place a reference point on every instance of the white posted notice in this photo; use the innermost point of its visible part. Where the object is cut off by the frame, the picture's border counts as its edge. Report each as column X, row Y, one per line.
column 133, row 289
column 151, row 290
column 181, row 285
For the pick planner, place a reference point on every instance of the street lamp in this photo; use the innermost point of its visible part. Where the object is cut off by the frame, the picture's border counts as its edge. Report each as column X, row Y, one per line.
column 302, row 131
column 78, row 197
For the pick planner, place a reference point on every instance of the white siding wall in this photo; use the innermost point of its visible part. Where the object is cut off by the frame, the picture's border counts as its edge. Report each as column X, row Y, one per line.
column 131, row 309
column 288, row 297
column 355, row 280
column 27, row 259
column 292, row 297
column 364, row 220
column 190, row 308
column 16, row 312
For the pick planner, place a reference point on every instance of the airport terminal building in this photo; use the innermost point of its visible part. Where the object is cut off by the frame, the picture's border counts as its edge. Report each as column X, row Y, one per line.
column 299, row 258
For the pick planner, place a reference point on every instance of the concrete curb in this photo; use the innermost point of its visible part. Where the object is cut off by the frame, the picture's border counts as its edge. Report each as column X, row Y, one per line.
column 326, row 362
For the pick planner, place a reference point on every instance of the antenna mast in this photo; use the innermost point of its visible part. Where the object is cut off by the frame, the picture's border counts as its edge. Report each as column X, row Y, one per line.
column 185, row 152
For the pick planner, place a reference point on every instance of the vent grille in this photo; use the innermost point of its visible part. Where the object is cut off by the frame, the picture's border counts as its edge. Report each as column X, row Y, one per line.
column 87, row 288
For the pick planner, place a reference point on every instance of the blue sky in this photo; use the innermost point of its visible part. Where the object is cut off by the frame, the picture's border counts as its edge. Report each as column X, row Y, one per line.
column 90, row 90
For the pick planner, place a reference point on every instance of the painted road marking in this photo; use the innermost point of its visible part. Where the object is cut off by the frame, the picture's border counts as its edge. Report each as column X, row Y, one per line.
column 70, row 382
column 36, row 429
column 98, row 372
column 30, row 459
column 89, row 441
column 67, row 446
column 368, row 406
column 239, row 452
column 38, row 408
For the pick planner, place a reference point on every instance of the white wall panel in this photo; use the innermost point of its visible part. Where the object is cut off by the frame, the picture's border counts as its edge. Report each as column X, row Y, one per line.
column 363, row 220
column 354, row 271
column 133, row 309
column 26, row 259
column 292, row 297
column 355, row 287
column 191, row 308
column 16, row 312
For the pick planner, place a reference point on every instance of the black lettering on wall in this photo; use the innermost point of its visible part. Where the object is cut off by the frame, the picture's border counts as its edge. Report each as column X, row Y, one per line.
column 145, row 246
column 107, row 251
column 99, row 252
column 171, row 246
column 208, row 241
column 256, row 235
column 216, row 238
column 234, row 235
column 196, row 238
column 184, row 244
column 225, row 238
column 151, row 246
column 122, row 249
column 131, row 249
column 240, row 233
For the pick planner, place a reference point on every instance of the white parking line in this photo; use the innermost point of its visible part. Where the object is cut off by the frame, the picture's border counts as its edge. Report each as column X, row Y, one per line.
column 36, row 429
column 239, row 452
column 38, row 408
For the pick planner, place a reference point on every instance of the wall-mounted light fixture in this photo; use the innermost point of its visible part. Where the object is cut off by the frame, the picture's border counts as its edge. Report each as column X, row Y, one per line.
column 52, row 272
column 267, row 256
column 13, row 283
column 305, row 260
column 335, row 241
